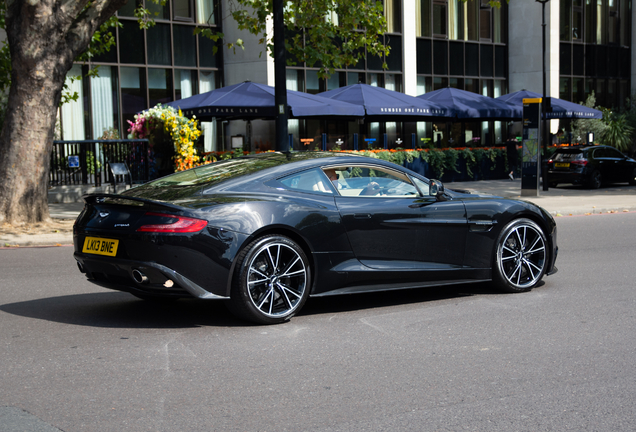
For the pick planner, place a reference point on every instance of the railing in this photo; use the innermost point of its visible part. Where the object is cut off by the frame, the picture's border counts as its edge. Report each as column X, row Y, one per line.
column 86, row 162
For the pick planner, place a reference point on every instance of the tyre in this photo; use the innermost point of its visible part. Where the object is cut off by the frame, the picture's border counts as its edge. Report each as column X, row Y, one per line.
column 520, row 257
column 632, row 178
column 271, row 280
column 596, row 180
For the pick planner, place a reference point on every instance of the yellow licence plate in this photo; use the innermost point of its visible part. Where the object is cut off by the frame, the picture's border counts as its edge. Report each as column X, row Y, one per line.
column 562, row 165
column 100, row 246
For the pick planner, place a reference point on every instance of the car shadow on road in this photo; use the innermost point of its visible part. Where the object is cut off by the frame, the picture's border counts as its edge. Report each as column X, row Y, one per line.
column 121, row 310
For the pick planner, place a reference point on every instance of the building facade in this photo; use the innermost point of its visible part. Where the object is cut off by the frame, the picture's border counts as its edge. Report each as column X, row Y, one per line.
column 434, row 44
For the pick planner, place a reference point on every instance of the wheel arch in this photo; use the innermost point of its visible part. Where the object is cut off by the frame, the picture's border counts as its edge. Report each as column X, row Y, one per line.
column 534, row 217
column 545, row 226
column 283, row 230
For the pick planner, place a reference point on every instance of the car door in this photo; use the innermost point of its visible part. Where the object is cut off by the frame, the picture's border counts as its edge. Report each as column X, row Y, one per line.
column 605, row 164
column 398, row 227
column 623, row 169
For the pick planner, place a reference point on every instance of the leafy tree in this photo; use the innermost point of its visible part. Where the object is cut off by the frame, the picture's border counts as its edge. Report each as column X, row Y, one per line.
column 45, row 37
column 580, row 127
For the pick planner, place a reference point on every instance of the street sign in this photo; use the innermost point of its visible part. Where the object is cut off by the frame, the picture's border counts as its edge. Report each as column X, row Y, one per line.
column 530, row 161
column 73, row 161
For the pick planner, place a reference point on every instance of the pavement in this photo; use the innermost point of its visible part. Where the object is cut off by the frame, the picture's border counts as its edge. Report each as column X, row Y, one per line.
column 565, row 200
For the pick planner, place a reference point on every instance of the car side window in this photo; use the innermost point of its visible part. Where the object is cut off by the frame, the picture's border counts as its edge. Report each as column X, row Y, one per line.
column 600, row 153
column 371, row 181
column 313, row 181
column 422, row 186
column 613, row 153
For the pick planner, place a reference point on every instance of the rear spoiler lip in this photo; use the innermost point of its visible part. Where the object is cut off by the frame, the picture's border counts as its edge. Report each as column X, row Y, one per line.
column 94, row 197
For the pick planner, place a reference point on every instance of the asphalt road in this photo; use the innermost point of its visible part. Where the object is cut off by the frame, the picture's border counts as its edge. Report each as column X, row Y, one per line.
column 75, row 357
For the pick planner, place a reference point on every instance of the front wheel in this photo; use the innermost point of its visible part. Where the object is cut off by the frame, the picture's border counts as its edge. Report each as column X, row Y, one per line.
column 632, row 178
column 521, row 256
column 271, row 281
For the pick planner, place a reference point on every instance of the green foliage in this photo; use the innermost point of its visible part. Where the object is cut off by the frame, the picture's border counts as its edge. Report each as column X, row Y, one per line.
column 315, row 37
column 580, row 127
column 618, row 133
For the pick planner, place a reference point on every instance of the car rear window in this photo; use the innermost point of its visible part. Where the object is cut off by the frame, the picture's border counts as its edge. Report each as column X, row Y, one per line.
column 567, row 155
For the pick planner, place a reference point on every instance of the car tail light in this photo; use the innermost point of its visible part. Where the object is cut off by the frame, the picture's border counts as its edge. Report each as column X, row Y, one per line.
column 180, row 224
column 580, row 162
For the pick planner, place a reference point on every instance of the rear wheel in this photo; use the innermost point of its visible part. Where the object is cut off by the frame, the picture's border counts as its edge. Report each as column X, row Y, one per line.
column 596, row 180
column 521, row 256
column 271, row 280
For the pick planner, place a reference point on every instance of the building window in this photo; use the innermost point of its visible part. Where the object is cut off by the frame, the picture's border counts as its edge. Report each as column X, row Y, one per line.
column 439, row 18
column 182, row 10
column 130, row 35
column 205, row 12
column 565, row 14
column 456, row 22
column 104, row 101
column 158, row 42
column 423, row 18
column 133, row 92
column 73, row 111
column 208, row 81
column 185, row 46
column 157, row 10
column 393, row 15
column 484, row 21
column 185, row 83
column 159, row 86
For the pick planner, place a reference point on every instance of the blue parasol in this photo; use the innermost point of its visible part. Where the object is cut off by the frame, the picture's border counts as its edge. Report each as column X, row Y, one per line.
column 381, row 104
column 560, row 108
column 469, row 105
column 249, row 100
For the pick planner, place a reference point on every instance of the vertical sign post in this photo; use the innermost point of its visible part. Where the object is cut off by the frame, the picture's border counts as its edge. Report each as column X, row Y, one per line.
column 530, row 161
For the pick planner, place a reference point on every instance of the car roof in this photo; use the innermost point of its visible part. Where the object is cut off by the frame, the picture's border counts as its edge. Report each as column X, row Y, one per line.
column 298, row 161
column 246, row 173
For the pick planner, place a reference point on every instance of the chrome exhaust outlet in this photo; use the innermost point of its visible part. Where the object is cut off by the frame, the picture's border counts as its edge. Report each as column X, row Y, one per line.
column 139, row 277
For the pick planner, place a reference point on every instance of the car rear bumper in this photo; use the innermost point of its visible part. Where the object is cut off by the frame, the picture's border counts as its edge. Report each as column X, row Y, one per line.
column 566, row 177
column 140, row 277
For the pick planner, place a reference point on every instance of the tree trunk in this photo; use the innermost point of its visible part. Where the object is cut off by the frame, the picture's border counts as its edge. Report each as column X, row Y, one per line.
column 27, row 138
column 44, row 37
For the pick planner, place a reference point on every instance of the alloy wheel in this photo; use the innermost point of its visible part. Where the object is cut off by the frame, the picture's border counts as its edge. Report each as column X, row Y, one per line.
column 521, row 256
column 277, row 277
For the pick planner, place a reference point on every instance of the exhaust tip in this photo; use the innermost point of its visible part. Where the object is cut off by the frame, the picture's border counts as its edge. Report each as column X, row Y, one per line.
column 80, row 266
column 139, row 277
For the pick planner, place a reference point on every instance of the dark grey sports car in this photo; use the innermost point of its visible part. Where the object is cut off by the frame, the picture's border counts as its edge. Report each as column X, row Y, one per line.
column 265, row 232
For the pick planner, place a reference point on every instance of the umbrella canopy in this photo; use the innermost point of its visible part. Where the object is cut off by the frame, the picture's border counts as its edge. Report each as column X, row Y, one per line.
column 386, row 105
column 249, row 100
column 560, row 107
column 469, row 105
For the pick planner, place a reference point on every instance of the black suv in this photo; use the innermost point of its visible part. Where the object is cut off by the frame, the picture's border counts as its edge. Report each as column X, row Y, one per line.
column 590, row 166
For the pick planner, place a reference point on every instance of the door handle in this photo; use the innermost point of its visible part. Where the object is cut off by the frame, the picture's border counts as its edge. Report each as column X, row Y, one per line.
column 362, row 216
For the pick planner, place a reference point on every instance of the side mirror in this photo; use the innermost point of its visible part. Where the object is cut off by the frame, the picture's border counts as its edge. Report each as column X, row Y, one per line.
column 436, row 189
